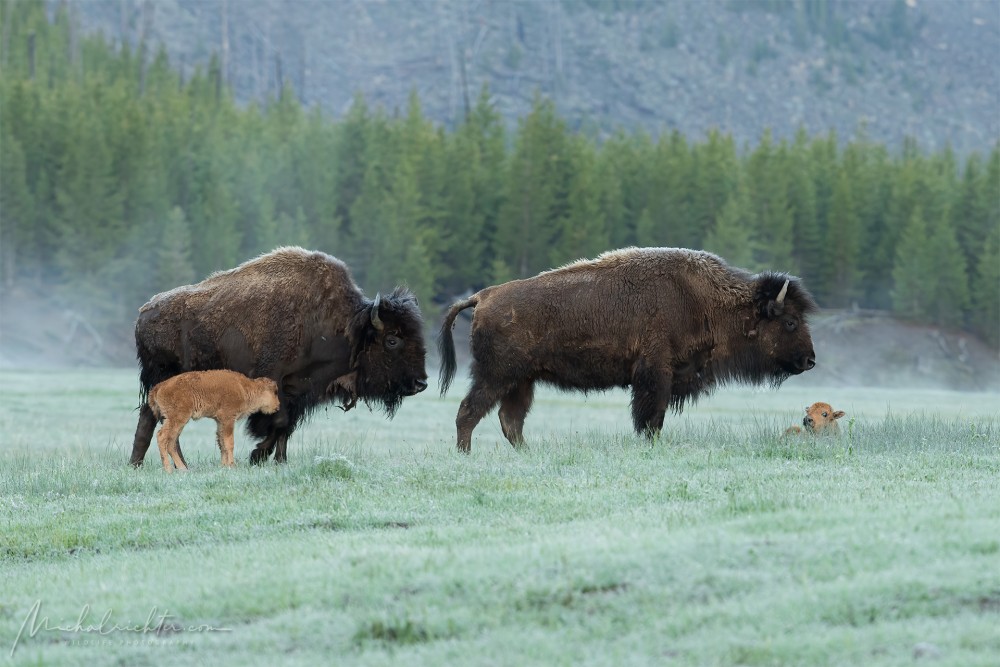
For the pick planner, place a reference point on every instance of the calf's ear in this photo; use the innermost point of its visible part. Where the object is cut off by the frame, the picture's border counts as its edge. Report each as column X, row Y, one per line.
column 838, row 414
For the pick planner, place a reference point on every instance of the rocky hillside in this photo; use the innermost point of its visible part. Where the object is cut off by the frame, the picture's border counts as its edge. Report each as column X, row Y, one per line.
column 920, row 68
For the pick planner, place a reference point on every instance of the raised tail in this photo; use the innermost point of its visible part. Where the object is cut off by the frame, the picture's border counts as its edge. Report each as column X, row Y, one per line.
column 446, row 344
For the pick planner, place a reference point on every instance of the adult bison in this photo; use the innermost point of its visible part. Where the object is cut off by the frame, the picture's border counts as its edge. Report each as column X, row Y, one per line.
column 672, row 323
column 294, row 316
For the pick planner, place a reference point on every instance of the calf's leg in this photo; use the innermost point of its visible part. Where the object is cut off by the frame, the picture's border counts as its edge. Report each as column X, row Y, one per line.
column 167, row 442
column 227, row 442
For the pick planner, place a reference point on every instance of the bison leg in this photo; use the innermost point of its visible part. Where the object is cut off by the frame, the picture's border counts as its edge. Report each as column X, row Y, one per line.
column 263, row 449
column 227, row 442
column 474, row 407
column 513, row 409
column 650, row 397
column 143, row 435
column 281, row 446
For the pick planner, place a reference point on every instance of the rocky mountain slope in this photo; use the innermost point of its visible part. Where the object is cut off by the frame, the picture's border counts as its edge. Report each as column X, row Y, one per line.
column 919, row 68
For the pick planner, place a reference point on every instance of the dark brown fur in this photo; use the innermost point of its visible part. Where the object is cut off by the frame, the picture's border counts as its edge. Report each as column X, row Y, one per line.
column 294, row 316
column 671, row 323
column 225, row 396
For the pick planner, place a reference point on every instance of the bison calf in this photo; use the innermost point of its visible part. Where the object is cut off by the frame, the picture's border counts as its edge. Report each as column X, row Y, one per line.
column 224, row 396
column 820, row 419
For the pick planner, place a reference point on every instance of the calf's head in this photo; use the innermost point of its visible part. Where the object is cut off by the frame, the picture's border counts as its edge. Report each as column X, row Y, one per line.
column 268, row 401
column 822, row 418
column 388, row 350
column 782, row 306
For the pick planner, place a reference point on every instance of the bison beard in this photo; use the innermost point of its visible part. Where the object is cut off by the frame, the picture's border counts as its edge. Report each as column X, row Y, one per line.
column 294, row 316
column 670, row 323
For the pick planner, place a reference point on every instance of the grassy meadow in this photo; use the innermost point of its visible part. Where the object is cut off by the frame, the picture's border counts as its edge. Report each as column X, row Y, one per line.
column 719, row 544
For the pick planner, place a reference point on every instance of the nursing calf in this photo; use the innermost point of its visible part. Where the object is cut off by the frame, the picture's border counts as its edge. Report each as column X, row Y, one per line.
column 224, row 396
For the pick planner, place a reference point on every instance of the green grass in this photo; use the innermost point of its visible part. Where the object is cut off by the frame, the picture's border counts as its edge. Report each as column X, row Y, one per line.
column 719, row 544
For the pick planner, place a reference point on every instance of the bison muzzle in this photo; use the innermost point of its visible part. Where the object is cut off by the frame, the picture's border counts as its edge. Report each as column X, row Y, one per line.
column 670, row 323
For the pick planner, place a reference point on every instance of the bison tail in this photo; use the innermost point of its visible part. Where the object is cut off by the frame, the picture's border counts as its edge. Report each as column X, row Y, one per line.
column 446, row 344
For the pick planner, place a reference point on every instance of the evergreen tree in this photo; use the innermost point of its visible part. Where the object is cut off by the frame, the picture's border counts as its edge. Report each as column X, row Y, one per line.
column 173, row 261
column 985, row 290
column 911, row 274
column 768, row 184
column 949, row 299
column 535, row 193
column 581, row 232
column 807, row 245
column 716, row 173
column 842, row 245
column 732, row 236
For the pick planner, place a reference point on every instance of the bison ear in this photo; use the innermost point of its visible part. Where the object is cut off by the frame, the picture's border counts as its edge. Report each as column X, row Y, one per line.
column 376, row 320
column 838, row 414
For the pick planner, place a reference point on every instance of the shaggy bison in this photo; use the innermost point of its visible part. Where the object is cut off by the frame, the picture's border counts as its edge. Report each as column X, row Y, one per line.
column 225, row 396
column 291, row 315
column 671, row 323
column 820, row 419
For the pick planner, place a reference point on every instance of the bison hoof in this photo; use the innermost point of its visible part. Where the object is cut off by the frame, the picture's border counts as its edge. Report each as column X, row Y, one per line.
column 257, row 457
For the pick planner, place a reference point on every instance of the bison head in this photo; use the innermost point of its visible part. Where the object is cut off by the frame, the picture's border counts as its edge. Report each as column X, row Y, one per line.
column 388, row 350
column 782, row 305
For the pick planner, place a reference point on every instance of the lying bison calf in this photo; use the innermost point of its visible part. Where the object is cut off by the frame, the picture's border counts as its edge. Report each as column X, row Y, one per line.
column 820, row 419
column 671, row 323
column 224, row 396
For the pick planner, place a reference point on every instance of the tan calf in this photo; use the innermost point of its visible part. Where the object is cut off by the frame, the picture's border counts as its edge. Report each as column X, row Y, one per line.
column 820, row 419
column 224, row 396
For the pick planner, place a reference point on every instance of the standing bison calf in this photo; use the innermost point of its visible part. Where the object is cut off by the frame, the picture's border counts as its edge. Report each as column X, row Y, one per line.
column 671, row 323
column 225, row 396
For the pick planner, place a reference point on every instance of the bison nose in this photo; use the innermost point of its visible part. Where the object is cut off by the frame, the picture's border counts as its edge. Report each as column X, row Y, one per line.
column 807, row 362
column 419, row 386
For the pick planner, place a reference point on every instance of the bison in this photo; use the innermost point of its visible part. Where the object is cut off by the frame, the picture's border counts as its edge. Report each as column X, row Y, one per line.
column 820, row 419
column 669, row 322
column 224, row 396
column 292, row 315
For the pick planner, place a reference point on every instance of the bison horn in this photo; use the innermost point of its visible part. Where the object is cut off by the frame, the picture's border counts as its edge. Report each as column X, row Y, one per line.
column 781, row 294
column 376, row 320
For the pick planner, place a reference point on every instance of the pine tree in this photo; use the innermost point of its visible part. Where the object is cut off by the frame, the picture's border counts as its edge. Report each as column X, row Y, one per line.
column 985, row 290
column 732, row 236
column 768, row 185
column 949, row 300
column 842, row 245
column 912, row 290
column 535, row 192
column 173, row 262
column 581, row 232
column 16, row 211
column 806, row 242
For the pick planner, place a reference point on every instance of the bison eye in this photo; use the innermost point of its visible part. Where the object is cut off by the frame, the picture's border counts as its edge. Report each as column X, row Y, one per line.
column 824, row 414
column 790, row 325
column 391, row 342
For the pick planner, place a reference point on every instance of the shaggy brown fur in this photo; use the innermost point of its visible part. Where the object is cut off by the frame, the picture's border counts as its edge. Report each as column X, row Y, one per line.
column 820, row 419
column 292, row 315
column 224, row 396
column 671, row 323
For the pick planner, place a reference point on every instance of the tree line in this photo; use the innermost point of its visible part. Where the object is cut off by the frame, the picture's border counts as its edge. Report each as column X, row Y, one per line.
column 122, row 178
